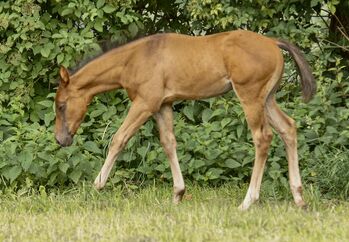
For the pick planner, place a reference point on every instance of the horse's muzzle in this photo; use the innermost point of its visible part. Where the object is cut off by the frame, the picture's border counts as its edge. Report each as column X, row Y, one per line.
column 64, row 140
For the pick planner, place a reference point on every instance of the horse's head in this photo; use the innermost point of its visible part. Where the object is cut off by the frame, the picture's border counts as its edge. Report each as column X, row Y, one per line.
column 71, row 106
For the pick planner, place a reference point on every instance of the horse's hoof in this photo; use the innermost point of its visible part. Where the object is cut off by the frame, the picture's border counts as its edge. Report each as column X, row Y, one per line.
column 243, row 207
column 302, row 205
column 177, row 199
column 98, row 185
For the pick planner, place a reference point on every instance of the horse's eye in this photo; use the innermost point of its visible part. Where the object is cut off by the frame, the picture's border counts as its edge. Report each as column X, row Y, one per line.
column 61, row 107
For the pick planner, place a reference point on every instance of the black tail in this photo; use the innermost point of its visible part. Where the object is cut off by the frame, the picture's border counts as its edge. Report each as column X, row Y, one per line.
column 304, row 70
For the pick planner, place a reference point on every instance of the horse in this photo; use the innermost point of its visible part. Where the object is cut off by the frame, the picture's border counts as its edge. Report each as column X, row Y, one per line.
column 159, row 69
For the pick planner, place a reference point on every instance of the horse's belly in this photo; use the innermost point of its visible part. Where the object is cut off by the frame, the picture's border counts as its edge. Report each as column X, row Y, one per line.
column 198, row 90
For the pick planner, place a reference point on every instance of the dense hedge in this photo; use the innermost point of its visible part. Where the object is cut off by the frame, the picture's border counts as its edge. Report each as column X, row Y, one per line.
column 214, row 144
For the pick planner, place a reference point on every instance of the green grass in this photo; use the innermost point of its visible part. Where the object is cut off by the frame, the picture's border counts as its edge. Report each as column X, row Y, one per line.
column 207, row 214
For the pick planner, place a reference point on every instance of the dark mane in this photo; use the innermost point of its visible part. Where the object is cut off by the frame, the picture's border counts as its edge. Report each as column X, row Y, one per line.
column 106, row 46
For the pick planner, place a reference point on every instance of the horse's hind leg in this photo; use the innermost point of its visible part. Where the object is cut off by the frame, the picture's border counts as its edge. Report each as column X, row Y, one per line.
column 164, row 119
column 262, row 136
column 287, row 129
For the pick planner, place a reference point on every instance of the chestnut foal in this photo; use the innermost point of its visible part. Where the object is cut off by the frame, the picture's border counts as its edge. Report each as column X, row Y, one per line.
column 160, row 69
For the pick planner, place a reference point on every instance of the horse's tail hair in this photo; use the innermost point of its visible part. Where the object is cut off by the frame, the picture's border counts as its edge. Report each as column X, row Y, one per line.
column 307, row 79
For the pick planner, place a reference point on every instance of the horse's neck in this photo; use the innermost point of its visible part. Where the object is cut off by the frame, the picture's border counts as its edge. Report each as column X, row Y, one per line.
column 103, row 73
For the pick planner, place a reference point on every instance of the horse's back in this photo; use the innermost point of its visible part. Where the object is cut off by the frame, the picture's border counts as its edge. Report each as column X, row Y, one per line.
column 186, row 67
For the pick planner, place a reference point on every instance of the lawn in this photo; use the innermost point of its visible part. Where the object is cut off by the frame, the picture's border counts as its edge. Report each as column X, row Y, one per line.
column 147, row 214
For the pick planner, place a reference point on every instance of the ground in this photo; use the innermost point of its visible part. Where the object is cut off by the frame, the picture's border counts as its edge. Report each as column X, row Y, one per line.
column 147, row 215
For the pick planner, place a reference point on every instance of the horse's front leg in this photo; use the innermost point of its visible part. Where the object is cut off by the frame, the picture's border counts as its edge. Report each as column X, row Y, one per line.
column 137, row 115
column 164, row 120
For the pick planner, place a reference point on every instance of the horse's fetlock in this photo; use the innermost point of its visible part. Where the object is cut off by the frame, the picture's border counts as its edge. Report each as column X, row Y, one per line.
column 254, row 198
column 297, row 189
column 179, row 190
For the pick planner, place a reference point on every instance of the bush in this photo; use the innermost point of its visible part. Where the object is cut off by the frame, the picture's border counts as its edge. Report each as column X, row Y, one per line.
column 214, row 144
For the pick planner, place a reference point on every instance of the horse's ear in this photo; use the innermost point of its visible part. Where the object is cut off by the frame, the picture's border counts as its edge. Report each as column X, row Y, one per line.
column 63, row 72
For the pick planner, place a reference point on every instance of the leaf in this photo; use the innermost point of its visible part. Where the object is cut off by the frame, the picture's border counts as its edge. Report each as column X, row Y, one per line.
column 199, row 163
column 142, row 151
column 45, row 52
column 67, row 11
column 133, row 29
column 225, row 122
column 188, row 112
column 60, row 58
column 206, row 115
column 48, row 118
column 109, row 8
column 4, row 122
column 147, row 129
column 77, row 13
column 99, row 25
column 331, row 7
column 53, row 178
column 63, row 167
column 3, row 164
column 216, row 126
column 56, row 36
column 217, row 112
column 100, row 3
column 24, row 67
column 96, row 113
column 239, row 131
column 25, row 158
column 232, row 163
column 92, row 147
column 213, row 154
column 46, row 103
column 214, row 173
column 107, row 115
column 161, row 168
column 313, row 3
column 44, row 156
column 12, row 173
column 331, row 130
column 75, row 175
column 52, row 168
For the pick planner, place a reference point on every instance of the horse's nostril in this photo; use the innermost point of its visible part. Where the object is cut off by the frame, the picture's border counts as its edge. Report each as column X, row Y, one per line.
column 57, row 140
column 69, row 141
column 64, row 141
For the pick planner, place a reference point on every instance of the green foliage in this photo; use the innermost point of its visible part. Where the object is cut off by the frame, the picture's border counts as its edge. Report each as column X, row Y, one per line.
column 214, row 144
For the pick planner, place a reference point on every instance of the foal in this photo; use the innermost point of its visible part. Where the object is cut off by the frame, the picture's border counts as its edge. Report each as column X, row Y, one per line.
column 160, row 69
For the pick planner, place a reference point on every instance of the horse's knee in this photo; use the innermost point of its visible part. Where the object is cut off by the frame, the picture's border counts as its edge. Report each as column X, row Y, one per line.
column 268, row 135
column 262, row 137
